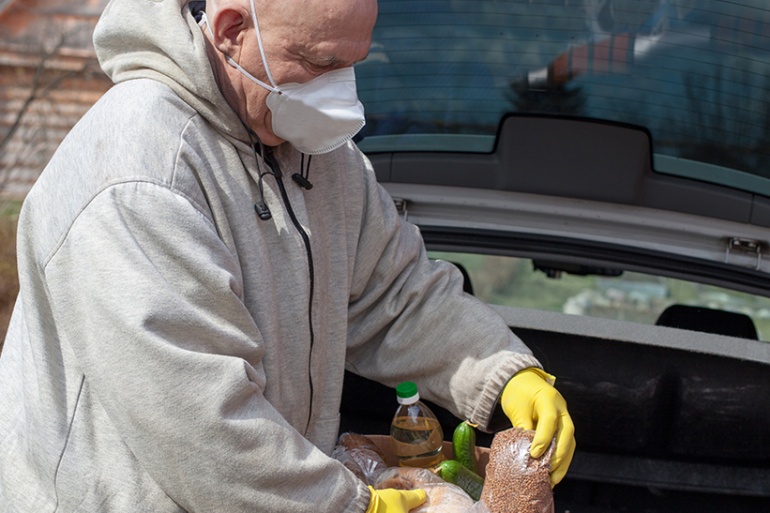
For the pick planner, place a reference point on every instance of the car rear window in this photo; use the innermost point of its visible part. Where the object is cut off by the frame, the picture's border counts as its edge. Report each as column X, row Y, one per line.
column 695, row 73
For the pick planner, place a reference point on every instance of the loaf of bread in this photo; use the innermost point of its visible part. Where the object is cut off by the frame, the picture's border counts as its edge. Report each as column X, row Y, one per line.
column 445, row 498
column 442, row 497
column 361, row 456
column 406, row 478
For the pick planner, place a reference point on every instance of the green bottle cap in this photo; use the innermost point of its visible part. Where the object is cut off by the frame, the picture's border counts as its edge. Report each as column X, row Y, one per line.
column 407, row 390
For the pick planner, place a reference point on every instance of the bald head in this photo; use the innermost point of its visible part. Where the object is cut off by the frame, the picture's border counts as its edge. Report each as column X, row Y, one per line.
column 302, row 39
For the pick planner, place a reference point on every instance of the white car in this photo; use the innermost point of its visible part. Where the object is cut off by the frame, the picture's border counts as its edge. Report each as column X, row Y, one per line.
column 601, row 170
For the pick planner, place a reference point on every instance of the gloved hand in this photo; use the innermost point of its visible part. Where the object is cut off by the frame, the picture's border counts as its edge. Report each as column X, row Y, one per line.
column 530, row 401
column 390, row 500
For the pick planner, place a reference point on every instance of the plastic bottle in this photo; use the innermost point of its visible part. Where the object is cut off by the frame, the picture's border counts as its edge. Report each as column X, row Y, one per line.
column 416, row 437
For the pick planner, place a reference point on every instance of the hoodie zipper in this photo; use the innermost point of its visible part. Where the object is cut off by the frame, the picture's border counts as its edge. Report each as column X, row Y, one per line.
column 273, row 163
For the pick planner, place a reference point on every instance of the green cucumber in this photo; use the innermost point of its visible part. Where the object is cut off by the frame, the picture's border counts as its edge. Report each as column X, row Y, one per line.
column 464, row 445
column 452, row 471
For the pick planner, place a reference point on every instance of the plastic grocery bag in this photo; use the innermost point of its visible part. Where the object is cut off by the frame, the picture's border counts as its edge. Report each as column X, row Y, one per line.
column 361, row 456
column 442, row 497
column 479, row 507
column 516, row 482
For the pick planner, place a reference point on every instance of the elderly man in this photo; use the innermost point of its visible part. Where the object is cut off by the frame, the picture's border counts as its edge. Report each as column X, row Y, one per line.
column 187, row 310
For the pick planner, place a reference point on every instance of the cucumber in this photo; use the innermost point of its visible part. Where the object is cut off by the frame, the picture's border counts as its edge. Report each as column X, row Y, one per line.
column 452, row 471
column 464, row 445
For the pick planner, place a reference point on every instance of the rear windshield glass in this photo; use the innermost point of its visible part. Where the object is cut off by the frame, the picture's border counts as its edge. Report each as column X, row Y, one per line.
column 695, row 73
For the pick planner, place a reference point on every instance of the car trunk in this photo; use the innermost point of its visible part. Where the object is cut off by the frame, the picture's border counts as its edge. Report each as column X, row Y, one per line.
column 667, row 420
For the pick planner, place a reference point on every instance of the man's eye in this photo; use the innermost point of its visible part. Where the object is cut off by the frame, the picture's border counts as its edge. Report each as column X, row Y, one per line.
column 320, row 67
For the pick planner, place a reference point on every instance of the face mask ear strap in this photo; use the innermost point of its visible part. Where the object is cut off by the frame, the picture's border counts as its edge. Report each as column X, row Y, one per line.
column 261, row 46
column 237, row 66
column 205, row 20
column 251, row 77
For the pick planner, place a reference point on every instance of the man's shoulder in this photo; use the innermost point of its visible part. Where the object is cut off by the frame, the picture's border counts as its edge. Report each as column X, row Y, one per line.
column 135, row 133
column 140, row 109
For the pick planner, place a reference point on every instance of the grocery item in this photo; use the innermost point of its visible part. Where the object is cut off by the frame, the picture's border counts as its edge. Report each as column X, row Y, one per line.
column 452, row 471
column 361, row 456
column 464, row 445
column 445, row 498
column 406, row 478
column 442, row 497
column 516, row 482
column 416, row 435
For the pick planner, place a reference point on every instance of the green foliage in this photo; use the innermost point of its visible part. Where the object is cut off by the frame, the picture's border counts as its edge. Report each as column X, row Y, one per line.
column 10, row 209
column 513, row 282
column 632, row 296
column 9, row 280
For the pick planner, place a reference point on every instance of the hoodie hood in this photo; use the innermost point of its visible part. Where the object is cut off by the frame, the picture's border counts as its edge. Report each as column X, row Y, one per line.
column 160, row 40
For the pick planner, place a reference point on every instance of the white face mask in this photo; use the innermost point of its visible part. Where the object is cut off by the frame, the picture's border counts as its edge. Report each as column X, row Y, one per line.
column 315, row 117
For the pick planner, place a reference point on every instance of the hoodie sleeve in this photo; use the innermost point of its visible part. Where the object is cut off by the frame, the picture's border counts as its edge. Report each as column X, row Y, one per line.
column 150, row 301
column 411, row 320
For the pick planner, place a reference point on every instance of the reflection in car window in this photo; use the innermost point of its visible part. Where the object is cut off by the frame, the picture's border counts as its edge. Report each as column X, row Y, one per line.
column 695, row 73
column 631, row 296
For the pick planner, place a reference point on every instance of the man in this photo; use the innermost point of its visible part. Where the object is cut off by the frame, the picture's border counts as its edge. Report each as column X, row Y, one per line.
column 187, row 310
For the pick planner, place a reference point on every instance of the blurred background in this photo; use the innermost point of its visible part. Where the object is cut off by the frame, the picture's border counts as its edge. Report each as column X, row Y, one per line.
column 49, row 77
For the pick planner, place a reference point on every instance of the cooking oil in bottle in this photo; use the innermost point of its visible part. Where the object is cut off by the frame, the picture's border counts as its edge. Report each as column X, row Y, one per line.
column 416, row 437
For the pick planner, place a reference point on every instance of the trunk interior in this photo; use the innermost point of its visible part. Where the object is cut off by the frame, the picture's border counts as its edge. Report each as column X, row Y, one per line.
column 667, row 420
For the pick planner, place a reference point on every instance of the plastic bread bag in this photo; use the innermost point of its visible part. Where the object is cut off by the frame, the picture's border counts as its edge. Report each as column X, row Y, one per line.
column 442, row 497
column 361, row 456
column 479, row 507
column 516, row 482
column 445, row 498
column 406, row 478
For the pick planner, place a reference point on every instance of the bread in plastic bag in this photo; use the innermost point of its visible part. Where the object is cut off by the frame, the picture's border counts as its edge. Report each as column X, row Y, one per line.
column 361, row 456
column 515, row 482
column 406, row 478
column 442, row 497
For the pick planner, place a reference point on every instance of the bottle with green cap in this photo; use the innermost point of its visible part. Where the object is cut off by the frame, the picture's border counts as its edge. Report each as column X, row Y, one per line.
column 416, row 437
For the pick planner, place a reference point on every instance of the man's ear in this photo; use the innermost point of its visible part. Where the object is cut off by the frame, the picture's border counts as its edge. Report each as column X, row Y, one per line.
column 229, row 24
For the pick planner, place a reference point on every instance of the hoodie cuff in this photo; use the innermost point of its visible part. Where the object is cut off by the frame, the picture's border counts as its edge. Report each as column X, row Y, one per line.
column 486, row 413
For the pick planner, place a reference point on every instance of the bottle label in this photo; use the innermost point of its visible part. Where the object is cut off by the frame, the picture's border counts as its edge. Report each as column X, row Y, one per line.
column 417, row 441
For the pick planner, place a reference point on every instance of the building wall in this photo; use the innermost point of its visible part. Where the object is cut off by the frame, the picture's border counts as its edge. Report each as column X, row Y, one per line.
column 49, row 77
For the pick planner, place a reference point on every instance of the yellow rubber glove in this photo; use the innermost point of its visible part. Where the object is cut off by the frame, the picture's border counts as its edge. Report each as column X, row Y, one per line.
column 390, row 500
column 530, row 401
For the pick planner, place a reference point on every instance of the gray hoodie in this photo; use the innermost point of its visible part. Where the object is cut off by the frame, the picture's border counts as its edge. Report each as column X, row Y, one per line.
column 170, row 351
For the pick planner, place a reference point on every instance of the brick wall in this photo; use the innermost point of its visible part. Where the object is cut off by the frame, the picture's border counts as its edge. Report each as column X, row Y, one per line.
column 49, row 78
